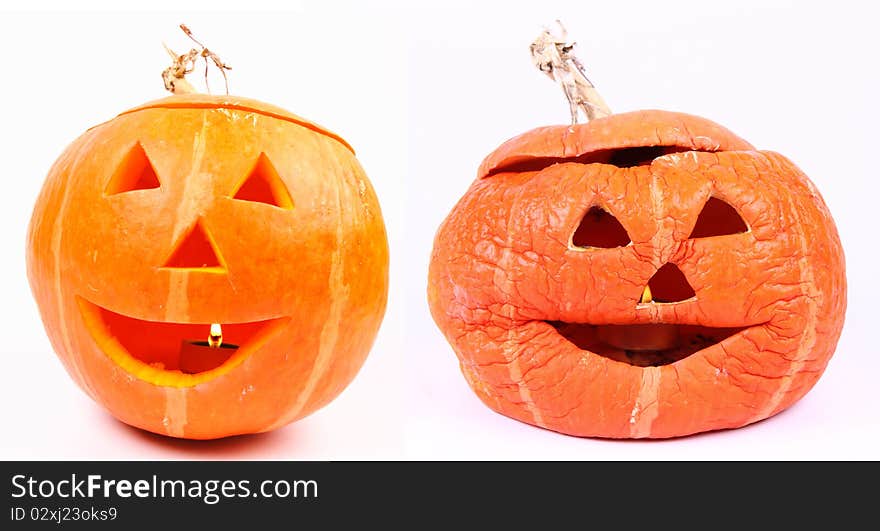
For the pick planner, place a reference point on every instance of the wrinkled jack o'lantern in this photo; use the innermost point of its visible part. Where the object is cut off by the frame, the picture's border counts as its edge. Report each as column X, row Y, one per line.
column 209, row 265
column 646, row 274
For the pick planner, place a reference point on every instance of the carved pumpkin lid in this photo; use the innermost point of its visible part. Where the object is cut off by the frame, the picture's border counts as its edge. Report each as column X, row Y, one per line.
column 224, row 101
column 647, row 128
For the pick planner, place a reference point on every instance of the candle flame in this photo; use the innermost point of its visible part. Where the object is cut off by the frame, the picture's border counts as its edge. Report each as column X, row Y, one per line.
column 646, row 296
column 215, row 336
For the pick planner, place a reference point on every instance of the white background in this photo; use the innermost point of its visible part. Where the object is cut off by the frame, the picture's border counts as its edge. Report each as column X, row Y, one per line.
column 423, row 94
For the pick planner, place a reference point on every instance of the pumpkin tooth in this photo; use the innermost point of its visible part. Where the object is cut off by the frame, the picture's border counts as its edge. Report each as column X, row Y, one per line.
column 215, row 336
column 646, row 296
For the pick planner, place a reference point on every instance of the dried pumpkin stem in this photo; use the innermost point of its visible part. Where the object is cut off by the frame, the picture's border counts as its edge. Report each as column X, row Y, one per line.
column 175, row 75
column 552, row 54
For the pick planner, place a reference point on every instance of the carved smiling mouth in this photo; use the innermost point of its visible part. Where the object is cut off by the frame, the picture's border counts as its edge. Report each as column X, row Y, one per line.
column 650, row 344
column 644, row 345
column 173, row 354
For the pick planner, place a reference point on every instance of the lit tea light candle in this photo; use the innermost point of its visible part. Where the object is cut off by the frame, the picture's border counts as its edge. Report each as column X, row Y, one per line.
column 644, row 299
column 215, row 336
column 201, row 356
column 641, row 337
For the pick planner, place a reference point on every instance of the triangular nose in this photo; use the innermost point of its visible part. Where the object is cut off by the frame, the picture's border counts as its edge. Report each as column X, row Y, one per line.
column 667, row 285
column 196, row 250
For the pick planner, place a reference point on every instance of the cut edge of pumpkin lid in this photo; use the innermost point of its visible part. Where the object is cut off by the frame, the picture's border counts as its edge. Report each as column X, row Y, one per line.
column 637, row 129
column 218, row 101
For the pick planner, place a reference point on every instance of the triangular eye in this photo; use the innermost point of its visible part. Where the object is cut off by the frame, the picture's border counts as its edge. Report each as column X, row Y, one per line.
column 598, row 228
column 264, row 185
column 718, row 219
column 135, row 172
column 196, row 250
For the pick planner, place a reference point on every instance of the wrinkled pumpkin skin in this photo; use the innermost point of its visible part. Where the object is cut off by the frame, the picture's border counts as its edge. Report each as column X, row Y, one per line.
column 319, row 270
column 503, row 269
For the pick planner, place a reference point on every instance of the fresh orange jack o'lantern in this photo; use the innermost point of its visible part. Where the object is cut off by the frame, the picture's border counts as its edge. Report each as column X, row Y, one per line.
column 646, row 274
column 209, row 265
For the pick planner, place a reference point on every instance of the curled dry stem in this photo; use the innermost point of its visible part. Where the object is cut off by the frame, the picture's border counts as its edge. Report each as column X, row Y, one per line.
column 553, row 55
column 175, row 75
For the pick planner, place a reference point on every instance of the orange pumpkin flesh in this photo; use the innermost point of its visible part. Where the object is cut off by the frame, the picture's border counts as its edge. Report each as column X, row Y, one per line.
column 200, row 209
column 648, row 274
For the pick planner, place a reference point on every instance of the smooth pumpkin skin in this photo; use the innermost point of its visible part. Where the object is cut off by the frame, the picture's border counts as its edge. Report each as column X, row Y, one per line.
column 502, row 267
column 321, row 266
